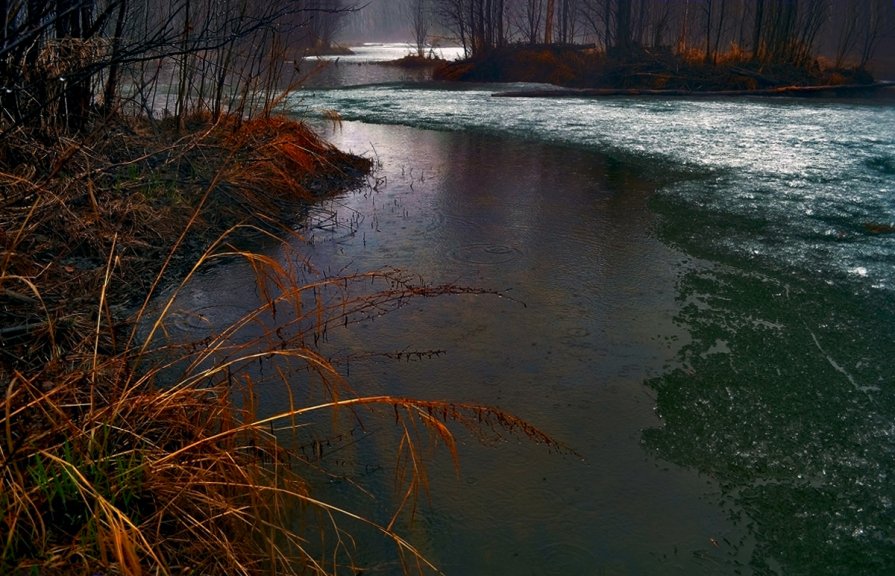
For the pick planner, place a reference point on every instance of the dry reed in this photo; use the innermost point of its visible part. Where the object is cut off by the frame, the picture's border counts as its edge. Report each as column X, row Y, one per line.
column 124, row 453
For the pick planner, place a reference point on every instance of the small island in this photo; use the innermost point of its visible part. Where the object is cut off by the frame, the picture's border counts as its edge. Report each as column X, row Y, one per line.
column 586, row 72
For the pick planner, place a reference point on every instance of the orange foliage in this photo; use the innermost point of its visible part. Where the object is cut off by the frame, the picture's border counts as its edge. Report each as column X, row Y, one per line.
column 280, row 155
column 734, row 54
column 837, row 79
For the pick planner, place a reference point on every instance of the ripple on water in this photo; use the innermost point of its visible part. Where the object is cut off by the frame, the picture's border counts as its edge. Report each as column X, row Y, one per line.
column 197, row 323
column 577, row 332
column 439, row 219
column 435, row 220
column 561, row 558
column 488, row 254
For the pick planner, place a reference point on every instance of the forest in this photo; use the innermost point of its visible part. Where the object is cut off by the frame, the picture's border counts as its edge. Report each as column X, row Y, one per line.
column 767, row 30
column 846, row 33
column 62, row 60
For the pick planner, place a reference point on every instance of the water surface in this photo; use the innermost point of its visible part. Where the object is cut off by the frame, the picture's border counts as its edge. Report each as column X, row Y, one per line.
column 707, row 319
column 369, row 64
column 587, row 318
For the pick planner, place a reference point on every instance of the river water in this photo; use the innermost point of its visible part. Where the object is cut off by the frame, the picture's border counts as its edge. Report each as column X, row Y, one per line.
column 699, row 300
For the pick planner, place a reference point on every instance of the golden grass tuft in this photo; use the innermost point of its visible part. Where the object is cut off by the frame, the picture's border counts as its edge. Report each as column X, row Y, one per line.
column 276, row 153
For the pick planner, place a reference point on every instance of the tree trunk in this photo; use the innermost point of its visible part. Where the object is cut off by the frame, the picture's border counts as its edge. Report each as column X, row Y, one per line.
column 757, row 29
column 607, row 28
column 114, row 64
column 501, row 35
column 719, row 32
column 548, row 25
column 184, row 74
column 73, row 19
column 4, row 31
column 623, row 27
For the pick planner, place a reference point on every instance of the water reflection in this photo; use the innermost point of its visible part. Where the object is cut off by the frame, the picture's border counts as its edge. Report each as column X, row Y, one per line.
column 324, row 73
column 370, row 64
column 389, row 51
column 569, row 236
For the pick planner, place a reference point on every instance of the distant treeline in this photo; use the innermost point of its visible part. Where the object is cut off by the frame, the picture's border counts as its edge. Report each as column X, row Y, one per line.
column 774, row 31
column 62, row 61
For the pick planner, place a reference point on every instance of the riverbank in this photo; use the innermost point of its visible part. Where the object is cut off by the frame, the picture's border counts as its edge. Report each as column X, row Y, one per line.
column 128, row 449
column 885, row 89
column 130, row 191
column 91, row 226
column 647, row 69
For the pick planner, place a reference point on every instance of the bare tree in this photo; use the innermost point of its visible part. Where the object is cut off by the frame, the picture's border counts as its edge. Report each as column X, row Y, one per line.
column 529, row 14
column 453, row 15
column 548, row 25
column 661, row 22
column 598, row 16
column 62, row 61
column 479, row 24
column 569, row 11
column 715, row 12
column 848, row 36
column 879, row 21
column 420, row 20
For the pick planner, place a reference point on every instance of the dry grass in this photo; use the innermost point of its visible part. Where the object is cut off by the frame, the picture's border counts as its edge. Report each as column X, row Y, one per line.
column 139, row 188
column 124, row 452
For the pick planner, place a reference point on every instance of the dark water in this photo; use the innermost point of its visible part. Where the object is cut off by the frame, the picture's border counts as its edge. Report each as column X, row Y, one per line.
column 708, row 320
column 569, row 236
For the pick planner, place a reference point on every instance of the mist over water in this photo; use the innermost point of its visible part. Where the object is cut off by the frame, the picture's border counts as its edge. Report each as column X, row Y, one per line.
column 378, row 52
column 371, row 63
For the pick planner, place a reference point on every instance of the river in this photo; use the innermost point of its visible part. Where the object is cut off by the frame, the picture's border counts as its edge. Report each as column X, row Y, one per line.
column 699, row 299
